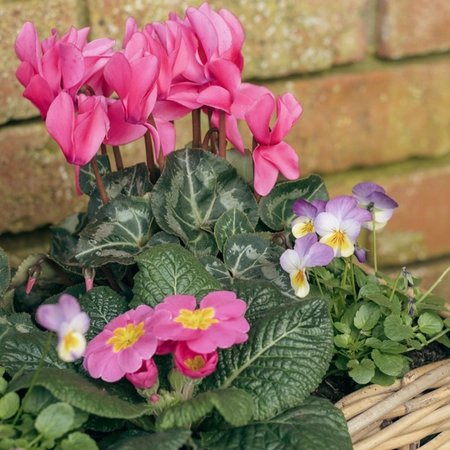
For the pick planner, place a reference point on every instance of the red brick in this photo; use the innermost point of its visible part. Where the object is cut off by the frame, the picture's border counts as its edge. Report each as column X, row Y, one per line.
column 413, row 27
column 419, row 227
column 36, row 182
column 371, row 118
column 282, row 37
column 59, row 14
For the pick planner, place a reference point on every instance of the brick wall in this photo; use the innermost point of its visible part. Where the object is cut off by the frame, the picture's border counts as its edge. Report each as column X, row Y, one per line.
column 372, row 76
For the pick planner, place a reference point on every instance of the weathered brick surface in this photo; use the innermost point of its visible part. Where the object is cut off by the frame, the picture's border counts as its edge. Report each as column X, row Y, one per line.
column 36, row 183
column 414, row 27
column 371, row 118
column 282, row 37
column 59, row 14
column 418, row 229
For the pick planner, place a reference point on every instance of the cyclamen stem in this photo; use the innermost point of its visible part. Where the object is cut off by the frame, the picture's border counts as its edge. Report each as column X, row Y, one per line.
column 103, row 150
column 161, row 158
column 99, row 181
column 208, row 137
column 111, row 279
column 35, row 377
column 254, row 145
column 196, row 128
column 149, row 156
column 118, row 157
column 58, row 270
column 222, row 136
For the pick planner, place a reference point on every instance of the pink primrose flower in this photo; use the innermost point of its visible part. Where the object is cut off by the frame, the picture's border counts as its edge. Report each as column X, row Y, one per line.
column 192, row 364
column 272, row 155
column 123, row 344
column 373, row 197
column 69, row 322
column 307, row 253
column 340, row 224
column 218, row 322
column 145, row 377
column 306, row 213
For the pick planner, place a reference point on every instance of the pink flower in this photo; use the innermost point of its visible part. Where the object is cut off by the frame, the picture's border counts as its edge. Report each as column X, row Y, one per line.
column 79, row 134
column 123, row 344
column 192, row 364
column 217, row 323
column 69, row 322
column 272, row 155
column 145, row 377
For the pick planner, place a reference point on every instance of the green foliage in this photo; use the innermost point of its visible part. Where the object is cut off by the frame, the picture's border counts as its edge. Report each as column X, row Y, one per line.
column 169, row 269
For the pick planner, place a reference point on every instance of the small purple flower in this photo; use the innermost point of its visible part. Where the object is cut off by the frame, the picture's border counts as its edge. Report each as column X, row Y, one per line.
column 340, row 224
column 307, row 253
column 306, row 213
column 69, row 322
column 373, row 197
column 360, row 253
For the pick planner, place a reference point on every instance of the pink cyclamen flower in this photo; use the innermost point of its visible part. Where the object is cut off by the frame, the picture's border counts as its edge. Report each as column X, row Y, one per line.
column 123, row 344
column 340, row 224
column 69, row 322
column 306, row 213
column 272, row 155
column 307, row 253
column 145, row 377
column 192, row 364
column 373, row 197
column 78, row 133
column 218, row 322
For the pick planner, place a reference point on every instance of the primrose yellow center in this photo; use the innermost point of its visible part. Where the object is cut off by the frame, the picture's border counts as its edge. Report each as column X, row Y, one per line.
column 70, row 341
column 200, row 319
column 195, row 364
column 126, row 337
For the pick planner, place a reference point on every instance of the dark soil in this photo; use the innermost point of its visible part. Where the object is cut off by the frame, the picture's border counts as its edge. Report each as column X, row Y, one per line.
column 335, row 387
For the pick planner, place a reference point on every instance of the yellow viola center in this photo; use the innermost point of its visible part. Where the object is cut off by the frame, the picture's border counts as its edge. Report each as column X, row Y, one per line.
column 303, row 228
column 308, row 227
column 299, row 278
column 70, row 341
column 195, row 364
column 338, row 239
column 126, row 337
column 200, row 319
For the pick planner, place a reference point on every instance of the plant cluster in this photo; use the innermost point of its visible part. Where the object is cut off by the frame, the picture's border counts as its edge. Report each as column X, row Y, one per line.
column 197, row 302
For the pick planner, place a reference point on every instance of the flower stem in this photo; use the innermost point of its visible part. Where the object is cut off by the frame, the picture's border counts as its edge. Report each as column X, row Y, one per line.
column 111, row 279
column 196, row 128
column 352, row 277
column 188, row 390
column 208, row 136
column 374, row 238
column 394, row 288
column 424, row 296
column 319, row 284
column 222, row 136
column 103, row 150
column 99, row 181
column 161, row 158
column 118, row 157
column 35, row 377
column 344, row 278
column 149, row 156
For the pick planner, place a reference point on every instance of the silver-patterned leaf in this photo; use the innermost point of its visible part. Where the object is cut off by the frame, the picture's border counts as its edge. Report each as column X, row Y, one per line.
column 230, row 223
column 276, row 208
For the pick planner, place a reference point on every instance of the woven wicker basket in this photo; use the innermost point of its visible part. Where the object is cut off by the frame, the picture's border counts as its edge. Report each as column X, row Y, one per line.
column 400, row 415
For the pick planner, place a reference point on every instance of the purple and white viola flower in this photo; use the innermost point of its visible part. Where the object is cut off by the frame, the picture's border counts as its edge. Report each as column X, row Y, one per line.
column 69, row 322
column 373, row 197
column 306, row 212
column 307, row 253
column 340, row 224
